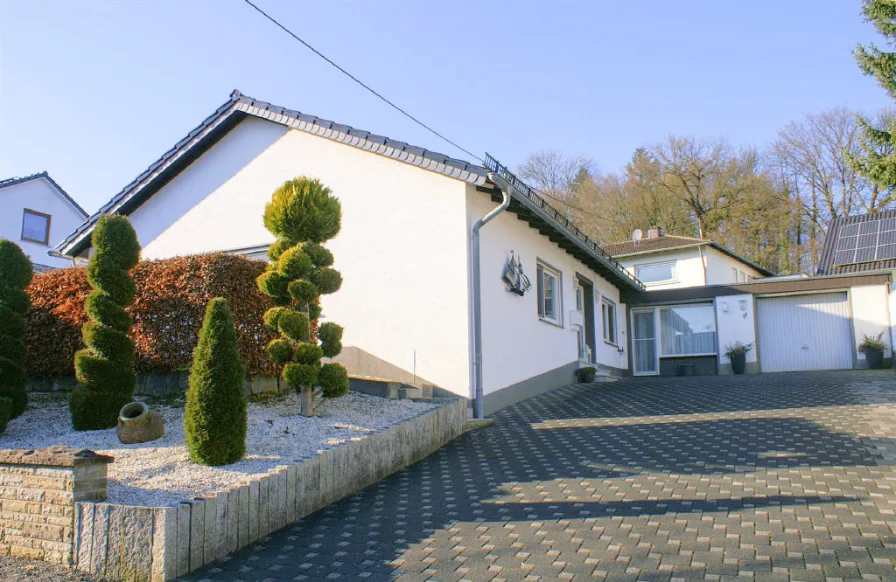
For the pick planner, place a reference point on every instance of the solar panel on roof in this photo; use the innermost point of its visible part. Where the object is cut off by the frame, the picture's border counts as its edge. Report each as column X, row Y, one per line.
column 885, row 252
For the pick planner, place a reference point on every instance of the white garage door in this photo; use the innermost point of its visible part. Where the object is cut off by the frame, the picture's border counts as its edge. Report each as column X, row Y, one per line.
column 804, row 332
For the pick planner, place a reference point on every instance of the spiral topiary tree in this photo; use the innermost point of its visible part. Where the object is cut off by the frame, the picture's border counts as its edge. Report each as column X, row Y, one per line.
column 215, row 417
column 303, row 214
column 105, row 366
column 15, row 275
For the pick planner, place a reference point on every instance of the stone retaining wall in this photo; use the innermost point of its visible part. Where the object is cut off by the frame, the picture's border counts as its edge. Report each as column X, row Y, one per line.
column 38, row 492
column 145, row 543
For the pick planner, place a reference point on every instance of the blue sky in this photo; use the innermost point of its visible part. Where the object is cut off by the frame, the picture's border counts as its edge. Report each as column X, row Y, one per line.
column 95, row 91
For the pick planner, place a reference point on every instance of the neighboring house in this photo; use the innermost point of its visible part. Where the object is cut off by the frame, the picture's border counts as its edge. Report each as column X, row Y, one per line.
column 36, row 213
column 663, row 261
column 405, row 250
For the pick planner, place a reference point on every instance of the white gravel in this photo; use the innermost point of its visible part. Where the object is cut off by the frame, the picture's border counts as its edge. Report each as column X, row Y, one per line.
column 160, row 473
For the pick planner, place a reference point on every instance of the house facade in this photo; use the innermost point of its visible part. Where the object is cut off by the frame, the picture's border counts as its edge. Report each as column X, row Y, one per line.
column 404, row 250
column 662, row 261
column 36, row 213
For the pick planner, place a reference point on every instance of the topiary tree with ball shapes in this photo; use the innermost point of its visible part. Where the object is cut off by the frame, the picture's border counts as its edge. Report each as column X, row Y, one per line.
column 105, row 366
column 303, row 214
column 15, row 275
column 215, row 417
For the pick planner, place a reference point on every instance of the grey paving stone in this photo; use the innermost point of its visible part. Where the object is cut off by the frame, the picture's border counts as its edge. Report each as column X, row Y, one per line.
column 778, row 476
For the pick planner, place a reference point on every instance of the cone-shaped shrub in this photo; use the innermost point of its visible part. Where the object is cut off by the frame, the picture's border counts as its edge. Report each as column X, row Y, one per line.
column 105, row 366
column 215, row 415
column 302, row 214
column 15, row 274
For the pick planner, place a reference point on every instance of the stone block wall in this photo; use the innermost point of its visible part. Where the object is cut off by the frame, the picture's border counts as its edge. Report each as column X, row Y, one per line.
column 161, row 543
column 38, row 493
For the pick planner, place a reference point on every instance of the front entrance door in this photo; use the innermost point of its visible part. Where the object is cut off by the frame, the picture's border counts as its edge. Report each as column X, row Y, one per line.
column 585, row 304
column 644, row 343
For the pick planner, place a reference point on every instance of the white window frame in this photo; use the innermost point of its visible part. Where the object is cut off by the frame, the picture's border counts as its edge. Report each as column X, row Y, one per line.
column 673, row 279
column 543, row 269
column 659, row 334
column 609, row 306
column 734, row 274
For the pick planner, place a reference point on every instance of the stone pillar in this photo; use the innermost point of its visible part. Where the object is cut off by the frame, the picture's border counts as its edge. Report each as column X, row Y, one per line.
column 38, row 492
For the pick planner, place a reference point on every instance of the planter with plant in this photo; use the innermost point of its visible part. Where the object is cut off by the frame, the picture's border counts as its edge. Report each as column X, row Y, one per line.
column 873, row 348
column 737, row 355
column 586, row 375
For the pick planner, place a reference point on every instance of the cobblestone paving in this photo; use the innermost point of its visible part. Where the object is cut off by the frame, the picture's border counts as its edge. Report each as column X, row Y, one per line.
column 779, row 476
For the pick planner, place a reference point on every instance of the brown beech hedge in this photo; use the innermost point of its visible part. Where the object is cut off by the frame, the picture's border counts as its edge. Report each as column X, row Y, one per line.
column 172, row 295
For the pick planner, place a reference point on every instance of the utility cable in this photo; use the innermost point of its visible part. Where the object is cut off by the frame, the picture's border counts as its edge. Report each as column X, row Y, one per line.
column 359, row 82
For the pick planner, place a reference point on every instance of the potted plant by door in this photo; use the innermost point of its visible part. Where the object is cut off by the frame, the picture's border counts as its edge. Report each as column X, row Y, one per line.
column 737, row 354
column 874, row 351
column 586, row 375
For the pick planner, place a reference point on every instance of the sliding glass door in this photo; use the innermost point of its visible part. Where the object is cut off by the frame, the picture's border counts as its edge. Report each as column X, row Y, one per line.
column 644, row 343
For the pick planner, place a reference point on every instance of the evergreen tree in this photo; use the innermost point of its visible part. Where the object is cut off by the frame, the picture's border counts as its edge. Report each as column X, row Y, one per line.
column 302, row 214
column 878, row 159
column 105, row 368
column 215, row 418
column 15, row 275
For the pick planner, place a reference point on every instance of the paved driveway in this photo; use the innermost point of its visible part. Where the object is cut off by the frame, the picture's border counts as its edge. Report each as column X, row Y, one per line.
column 773, row 476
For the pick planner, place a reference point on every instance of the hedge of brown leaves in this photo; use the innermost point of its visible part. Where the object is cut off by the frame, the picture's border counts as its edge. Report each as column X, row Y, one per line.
column 171, row 299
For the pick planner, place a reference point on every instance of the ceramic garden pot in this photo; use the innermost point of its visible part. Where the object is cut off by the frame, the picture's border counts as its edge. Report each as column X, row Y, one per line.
column 138, row 424
column 739, row 363
column 875, row 358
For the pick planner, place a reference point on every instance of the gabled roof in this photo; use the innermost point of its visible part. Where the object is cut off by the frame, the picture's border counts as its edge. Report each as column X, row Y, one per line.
column 46, row 176
column 526, row 202
column 225, row 118
column 829, row 265
column 671, row 242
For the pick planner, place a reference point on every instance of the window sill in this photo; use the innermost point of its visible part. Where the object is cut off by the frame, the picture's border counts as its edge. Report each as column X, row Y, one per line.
column 614, row 344
column 550, row 322
column 35, row 242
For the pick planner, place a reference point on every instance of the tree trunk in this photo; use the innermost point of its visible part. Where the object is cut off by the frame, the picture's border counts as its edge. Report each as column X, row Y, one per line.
column 307, row 401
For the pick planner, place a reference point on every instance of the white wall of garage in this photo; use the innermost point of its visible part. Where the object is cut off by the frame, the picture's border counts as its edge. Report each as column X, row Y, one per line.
column 735, row 320
column 870, row 316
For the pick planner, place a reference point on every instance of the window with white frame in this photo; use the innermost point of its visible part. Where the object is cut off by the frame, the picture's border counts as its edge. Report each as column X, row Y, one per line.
column 741, row 277
column 608, row 314
column 549, row 294
column 688, row 330
column 656, row 273
column 734, row 274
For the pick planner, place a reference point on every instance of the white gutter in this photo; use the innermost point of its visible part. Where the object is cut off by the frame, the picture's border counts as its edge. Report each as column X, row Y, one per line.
column 475, row 276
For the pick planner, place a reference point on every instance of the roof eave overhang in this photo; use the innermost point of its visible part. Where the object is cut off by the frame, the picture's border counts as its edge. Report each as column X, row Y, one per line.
column 663, row 250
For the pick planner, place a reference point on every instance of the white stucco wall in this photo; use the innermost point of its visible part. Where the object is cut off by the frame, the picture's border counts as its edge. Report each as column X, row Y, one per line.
column 517, row 345
column 688, row 267
column 870, row 315
column 734, row 324
column 719, row 265
column 41, row 196
column 402, row 250
column 892, row 306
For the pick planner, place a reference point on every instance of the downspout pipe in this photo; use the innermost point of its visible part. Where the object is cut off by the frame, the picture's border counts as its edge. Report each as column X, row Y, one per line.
column 478, row 411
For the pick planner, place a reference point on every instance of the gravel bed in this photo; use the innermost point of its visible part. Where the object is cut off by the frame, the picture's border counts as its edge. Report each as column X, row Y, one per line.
column 160, row 473
column 34, row 571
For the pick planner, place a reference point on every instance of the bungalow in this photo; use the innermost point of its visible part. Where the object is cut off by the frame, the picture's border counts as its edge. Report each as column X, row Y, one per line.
column 35, row 213
column 456, row 274
column 663, row 261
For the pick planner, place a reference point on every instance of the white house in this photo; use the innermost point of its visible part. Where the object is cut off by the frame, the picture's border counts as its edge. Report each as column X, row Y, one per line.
column 663, row 261
column 410, row 298
column 36, row 213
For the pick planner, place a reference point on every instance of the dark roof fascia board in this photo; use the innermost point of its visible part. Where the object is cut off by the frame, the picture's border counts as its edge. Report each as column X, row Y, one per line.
column 225, row 118
column 759, row 287
column 45, row 175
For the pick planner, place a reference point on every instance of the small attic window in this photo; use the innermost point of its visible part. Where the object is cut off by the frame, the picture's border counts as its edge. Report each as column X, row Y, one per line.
column 36, row 227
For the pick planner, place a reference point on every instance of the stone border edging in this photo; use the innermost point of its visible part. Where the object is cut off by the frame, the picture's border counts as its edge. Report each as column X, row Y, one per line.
column 140, row 544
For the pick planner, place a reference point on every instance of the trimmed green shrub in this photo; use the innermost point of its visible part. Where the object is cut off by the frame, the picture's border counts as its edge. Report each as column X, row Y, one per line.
column 15, row 275
column 280, row 351
column 105, row 366
column 6, row 406
column 333, row 380
column 215, row 417
column 272, row 318
column 302, row 214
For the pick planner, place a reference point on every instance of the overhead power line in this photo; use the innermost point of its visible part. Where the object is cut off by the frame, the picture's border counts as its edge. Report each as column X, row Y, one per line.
column 359, row 82
column 393, row 105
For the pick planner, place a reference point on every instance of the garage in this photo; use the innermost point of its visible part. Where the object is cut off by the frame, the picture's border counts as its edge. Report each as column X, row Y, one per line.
column 804, row 332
